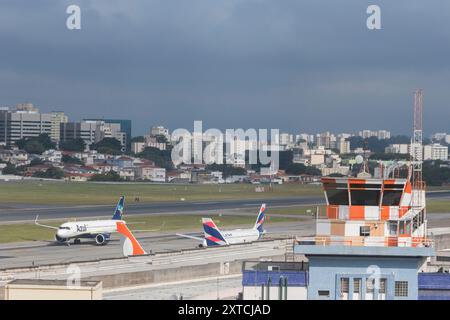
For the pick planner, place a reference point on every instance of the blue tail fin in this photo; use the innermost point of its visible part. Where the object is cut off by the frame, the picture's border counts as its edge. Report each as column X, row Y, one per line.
column 260, row 219
column 119, row 209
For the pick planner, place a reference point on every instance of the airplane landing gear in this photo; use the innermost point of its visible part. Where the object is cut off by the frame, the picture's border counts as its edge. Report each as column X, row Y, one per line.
column 76, row 241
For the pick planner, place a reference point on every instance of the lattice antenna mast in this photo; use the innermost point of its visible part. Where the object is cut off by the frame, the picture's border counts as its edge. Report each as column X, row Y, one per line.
column 416, row 145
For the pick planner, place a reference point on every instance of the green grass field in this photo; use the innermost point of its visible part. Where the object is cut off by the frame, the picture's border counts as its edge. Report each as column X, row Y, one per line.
column 19, row 232
column 70, row 193
column 438, row 206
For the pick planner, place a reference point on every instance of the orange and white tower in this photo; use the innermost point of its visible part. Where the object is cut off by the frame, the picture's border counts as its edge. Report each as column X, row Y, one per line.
column 385, row 211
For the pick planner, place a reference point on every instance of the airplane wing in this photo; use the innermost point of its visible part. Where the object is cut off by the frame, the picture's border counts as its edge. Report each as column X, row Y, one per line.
column 190, row 237
column 43, row 225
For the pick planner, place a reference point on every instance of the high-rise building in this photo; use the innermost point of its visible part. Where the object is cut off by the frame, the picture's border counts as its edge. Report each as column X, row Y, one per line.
column 125, row 127
column 92, row 131
column 24, row 121
column 343, row 145
column 58, row 117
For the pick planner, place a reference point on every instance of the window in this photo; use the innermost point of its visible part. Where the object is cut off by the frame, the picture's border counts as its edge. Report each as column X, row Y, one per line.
column 370, row 285
column 365, row 197
column 393, row 228
column 364, row 231
column 357, row 288
column 337, row 196
column 382, row 288
column 391, row 197
column 324, row 293
column 401, row 227
column 345, row 285
column 401, row 288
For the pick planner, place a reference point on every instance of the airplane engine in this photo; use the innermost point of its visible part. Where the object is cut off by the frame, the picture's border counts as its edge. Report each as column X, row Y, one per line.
column 101, row 239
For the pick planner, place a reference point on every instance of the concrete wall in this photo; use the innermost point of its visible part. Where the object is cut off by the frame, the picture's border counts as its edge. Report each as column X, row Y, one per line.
column 170, row 274
column 441, row 241
column 166, row 275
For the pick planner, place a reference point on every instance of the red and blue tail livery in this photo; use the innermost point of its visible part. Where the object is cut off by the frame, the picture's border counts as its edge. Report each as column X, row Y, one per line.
column 213, row 236
column 260, row 219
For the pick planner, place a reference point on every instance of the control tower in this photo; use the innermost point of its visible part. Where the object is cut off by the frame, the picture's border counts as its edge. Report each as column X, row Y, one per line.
column 372, row 241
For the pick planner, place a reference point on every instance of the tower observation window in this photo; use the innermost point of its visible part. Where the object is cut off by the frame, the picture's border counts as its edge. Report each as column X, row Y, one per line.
column 365, row 197
column 337, row 196
column 392, row 197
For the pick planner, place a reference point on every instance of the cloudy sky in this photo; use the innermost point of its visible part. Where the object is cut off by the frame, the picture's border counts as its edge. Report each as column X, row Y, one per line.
column 297, row 65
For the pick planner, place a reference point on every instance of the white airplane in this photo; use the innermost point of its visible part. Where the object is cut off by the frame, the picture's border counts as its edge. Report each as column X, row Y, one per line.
column 100, row 230
column 214, row 237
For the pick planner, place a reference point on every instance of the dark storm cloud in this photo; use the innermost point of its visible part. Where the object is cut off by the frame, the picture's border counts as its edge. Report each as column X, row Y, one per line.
column 289, row 64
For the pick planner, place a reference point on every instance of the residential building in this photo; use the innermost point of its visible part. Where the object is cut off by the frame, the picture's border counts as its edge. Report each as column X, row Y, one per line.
column 118, row 125
column 150, row 173
column 380, row 134
column 160, row 131
column 340, row 170
column 92, row 131
column 398, row 148
column 343, row 145
column 15, row 157
column 435, row 152
column 51, row 155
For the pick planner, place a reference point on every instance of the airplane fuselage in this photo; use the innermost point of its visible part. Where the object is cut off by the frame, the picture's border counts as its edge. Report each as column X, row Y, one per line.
column 241, row 235
column 98, row 229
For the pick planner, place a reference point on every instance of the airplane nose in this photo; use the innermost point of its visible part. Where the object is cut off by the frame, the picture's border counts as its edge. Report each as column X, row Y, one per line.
column 60, row 233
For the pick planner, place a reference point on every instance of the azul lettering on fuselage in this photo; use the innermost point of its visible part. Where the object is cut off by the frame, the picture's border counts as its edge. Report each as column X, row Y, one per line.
column 81, row 228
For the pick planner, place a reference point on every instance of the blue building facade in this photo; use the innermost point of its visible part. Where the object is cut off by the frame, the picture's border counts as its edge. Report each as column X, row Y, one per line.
column 434, row 286
column 363, row 273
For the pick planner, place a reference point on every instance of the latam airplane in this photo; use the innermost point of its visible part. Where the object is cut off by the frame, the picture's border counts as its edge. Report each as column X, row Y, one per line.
column 100, row 230
column 215, row 237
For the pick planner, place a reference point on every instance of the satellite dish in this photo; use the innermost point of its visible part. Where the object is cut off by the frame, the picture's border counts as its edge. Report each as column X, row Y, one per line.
column 359, row 159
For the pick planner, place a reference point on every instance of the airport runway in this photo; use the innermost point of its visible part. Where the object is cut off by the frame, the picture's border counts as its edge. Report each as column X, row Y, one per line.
column 28, row 212
column 41, row 252
column 48, row 252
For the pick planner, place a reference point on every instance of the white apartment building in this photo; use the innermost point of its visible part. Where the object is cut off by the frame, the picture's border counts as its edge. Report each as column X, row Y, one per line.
column 150, row 173
column 24, row 121
column 380, row 134
column 159, row 131
column 435, row 152
column 402, row 148
column 343, row 145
